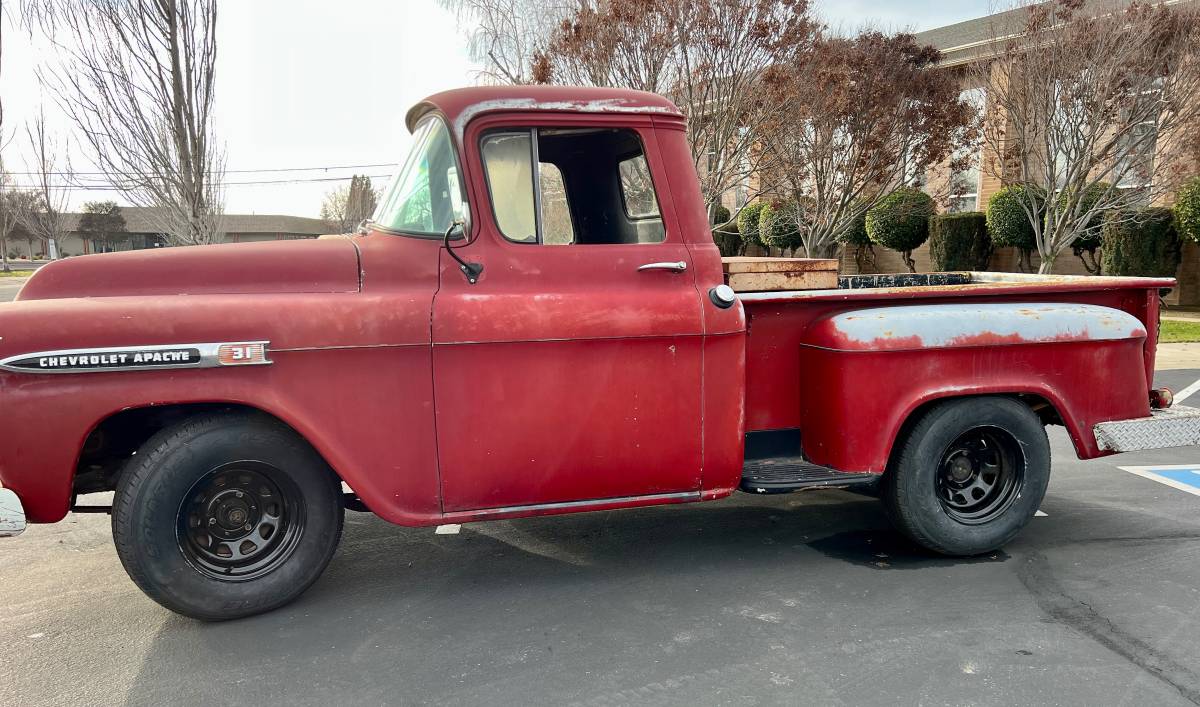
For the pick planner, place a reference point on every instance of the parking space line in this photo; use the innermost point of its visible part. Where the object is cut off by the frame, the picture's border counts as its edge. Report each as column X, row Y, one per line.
column 1184, row 477
column 1187, row 392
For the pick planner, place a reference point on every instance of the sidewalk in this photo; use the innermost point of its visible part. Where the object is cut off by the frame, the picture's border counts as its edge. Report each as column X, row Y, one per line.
column 1173, row 356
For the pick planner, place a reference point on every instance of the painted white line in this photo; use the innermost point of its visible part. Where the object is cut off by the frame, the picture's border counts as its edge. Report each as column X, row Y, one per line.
column 1147, row 472
column 1187, row 392
column 1040, row 514
column 450, row 529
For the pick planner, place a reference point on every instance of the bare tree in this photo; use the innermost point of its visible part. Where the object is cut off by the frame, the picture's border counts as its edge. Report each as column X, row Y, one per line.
column 347, row 206
column 856, row 118
column 48, row 219
column 708, row 56
column 507, row 35
column 137, row 79
column 1088, row 103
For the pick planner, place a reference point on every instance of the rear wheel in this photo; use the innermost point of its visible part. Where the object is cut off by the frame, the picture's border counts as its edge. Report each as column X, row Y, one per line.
column 225, row 516
column 969, row 475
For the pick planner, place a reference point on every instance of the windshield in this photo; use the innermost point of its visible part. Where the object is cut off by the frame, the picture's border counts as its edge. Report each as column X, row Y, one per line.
column 425, row 196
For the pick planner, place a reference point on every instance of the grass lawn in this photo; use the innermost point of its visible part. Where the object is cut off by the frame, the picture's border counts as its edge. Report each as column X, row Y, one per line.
column 16, row 273
column 1175, row 332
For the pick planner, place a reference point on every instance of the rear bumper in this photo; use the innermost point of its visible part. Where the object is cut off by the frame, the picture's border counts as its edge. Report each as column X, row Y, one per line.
column 1177, row 426
column 12, row 514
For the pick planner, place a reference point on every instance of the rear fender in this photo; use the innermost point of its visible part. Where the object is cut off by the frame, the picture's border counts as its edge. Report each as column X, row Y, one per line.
column 870, row 371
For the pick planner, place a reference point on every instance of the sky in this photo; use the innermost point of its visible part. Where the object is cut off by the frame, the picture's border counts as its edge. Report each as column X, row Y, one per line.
column 325, row 85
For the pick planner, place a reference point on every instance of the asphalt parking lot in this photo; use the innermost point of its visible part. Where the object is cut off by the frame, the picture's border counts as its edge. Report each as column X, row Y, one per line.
column 807, row 598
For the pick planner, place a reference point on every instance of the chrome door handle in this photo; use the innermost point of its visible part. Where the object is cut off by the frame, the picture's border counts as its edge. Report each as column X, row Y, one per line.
column 678, row 266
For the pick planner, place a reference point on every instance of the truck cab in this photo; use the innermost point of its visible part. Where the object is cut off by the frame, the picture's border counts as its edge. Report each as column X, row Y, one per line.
column 536, row 321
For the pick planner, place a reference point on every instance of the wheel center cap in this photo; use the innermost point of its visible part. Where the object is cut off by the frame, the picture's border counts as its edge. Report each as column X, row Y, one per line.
column 961, row 469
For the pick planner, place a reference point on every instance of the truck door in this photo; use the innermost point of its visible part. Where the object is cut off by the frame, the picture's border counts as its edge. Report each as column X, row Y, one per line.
column 571, row 370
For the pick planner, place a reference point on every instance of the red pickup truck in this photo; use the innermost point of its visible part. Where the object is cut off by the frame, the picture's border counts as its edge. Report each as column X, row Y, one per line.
column 536, row 322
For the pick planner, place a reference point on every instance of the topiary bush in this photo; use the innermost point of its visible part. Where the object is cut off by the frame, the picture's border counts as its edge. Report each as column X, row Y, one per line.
column 1187, row 210
column 747, row 222
column 725, row 234
column 959, row 241
column 856, row 237
column 1143, row 243
column 1090, row 239
column 1009, row 226
column 900, row 221
column 779, row 225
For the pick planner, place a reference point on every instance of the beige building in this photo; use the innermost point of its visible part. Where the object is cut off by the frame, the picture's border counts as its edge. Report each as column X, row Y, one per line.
column 142, row 232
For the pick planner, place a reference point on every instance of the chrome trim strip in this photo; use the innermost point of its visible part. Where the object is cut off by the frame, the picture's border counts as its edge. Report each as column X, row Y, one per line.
column 686, row 495
column 208, row 357
column 12, row 514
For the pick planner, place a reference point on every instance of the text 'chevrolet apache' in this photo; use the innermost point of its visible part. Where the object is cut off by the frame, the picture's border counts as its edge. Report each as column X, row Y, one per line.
column 537, row 321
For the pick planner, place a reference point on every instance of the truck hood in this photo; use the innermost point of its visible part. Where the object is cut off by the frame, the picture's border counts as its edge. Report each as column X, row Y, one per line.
column 272, row 267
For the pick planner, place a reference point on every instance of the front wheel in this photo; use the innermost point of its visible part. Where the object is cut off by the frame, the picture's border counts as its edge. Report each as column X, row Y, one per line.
column 969, row 475
column 226, row 515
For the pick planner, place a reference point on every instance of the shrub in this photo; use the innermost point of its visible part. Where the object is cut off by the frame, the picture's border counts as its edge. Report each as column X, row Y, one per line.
column 747, row 222
column 856, row 237
column 1144, row 242
column 1187, row 210
column 1007, row 223
column 900, row 221
column 959, row 241
column 725, row 234
column 779, row 225
column 1089, row 240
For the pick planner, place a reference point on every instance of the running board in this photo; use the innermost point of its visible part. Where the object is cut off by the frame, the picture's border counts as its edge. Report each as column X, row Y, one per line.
column 785, row 474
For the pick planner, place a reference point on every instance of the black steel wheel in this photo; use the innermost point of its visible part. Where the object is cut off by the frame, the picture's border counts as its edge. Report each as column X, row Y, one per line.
column 240, row 521
column 968, row 475
column 980, row 475
column 226, row 515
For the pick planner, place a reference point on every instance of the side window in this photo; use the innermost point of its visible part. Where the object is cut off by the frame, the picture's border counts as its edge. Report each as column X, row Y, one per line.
column 637, row 189
column 425, row 196
column 591, row 187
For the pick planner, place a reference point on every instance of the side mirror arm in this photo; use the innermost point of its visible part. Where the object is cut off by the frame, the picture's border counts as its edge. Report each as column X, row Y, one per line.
column 472, row 271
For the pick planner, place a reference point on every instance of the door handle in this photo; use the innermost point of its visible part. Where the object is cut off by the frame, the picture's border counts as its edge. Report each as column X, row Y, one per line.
column 678, row 266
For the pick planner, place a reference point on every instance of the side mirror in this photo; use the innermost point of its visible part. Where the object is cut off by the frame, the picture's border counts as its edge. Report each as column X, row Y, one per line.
column 472, row 271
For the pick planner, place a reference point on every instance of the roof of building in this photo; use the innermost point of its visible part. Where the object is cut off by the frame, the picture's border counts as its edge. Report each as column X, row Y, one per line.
column 139, row 219
column 965, row 41
column 460, row 105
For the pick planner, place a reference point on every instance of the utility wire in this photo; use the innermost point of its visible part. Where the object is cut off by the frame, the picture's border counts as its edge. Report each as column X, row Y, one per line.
column 232, row 171
column 100, row 187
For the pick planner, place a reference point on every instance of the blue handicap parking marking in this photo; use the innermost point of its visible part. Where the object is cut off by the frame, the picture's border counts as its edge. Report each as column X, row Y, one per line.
column 1190, row 477
column 1184, row 477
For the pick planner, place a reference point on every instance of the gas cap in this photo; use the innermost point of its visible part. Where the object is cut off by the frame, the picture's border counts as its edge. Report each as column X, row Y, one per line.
column 723, row 296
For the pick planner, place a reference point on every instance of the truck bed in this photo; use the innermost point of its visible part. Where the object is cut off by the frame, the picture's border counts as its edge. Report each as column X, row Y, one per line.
column 795, row 378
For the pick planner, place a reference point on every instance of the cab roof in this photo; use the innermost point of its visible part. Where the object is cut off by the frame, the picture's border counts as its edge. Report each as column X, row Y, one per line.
column 460, row 105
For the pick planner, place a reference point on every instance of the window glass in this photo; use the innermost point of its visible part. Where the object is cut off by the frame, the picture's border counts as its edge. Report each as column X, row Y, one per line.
column 508, row 159
column 557, row 228
column 591, row 186
column 637, row 188
column 425, row 196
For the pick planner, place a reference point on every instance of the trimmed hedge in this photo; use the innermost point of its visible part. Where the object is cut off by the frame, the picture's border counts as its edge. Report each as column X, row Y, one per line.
column 747, row 223
column 959, row 241
column 1187, row 209
column 1142, row 243
column 900, row 221
column 778, row 225
column 856, row 235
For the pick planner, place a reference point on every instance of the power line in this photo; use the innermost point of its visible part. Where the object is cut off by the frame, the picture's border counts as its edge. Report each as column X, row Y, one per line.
column 97, row 187
column 231, row 171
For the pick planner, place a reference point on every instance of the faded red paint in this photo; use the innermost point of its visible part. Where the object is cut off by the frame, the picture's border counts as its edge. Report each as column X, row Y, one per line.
column 563, row 375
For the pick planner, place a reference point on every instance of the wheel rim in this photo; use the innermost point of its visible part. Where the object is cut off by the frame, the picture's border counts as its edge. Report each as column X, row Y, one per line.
column 240, row 521
column 980, row 475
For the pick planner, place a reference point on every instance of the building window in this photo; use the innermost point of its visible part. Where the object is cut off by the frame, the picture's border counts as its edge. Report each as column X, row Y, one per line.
column 964, row 182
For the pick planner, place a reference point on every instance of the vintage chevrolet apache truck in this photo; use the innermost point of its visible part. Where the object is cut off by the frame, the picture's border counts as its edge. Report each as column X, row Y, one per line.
column 535, row 323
